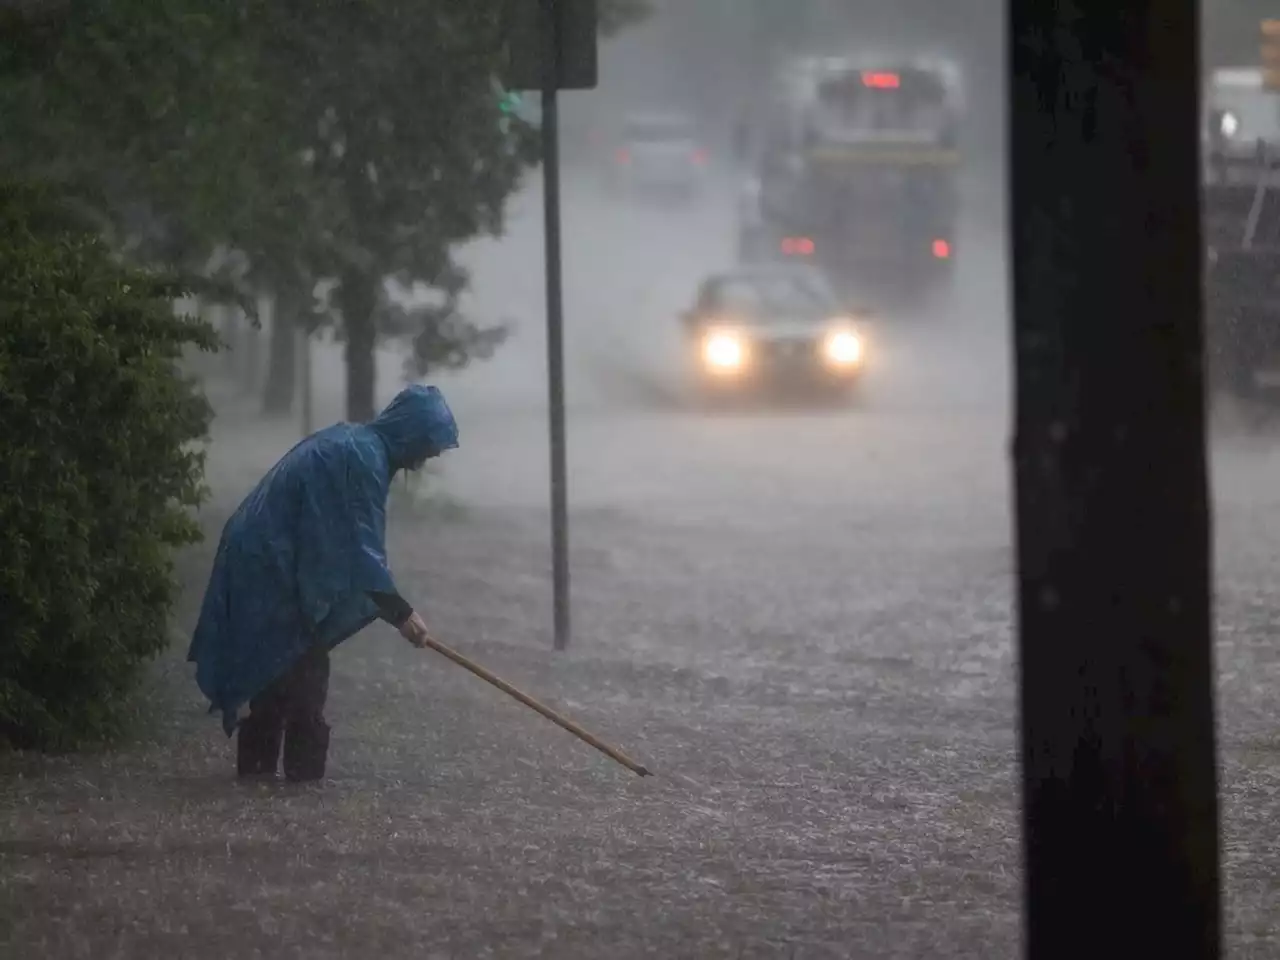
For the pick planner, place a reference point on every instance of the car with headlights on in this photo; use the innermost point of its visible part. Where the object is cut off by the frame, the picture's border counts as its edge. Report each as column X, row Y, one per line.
column 771, row 326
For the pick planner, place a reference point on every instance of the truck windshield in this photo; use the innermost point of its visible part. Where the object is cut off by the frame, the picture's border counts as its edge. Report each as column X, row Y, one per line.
column 879, row 103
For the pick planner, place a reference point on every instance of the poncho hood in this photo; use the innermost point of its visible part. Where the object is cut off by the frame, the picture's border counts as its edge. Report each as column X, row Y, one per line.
column 416, row 425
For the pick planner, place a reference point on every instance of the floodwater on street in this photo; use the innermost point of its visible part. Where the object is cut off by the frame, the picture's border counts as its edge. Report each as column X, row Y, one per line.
column 799, row 619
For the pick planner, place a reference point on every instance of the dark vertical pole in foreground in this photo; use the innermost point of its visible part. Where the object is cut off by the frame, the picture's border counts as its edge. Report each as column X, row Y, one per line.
column 552, row 31
column 1118, row 754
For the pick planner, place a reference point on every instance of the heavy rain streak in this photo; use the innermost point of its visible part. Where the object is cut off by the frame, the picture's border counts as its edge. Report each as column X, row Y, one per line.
column 788, row 402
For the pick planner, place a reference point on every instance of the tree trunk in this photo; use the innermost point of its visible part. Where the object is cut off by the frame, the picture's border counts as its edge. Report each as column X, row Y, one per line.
column 250, row 373
column 305, row 370
column 357, row 298
column 282, row 364
column 1118, row 752
column 229, row 328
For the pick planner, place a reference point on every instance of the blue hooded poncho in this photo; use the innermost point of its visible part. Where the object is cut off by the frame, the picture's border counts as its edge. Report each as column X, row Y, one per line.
column 299, row 557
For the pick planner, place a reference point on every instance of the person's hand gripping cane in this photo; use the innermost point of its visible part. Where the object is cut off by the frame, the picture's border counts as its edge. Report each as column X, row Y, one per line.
column 415, row 630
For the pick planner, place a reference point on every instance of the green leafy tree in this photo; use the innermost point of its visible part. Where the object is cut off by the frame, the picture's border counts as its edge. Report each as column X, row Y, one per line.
column 353, row 141
column 395, row 113
column 97, row 474
column 145, row 114
column 396, row 127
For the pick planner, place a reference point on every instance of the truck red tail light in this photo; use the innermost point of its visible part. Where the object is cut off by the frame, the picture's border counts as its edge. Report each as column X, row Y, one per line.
column 798, row 246
column 942, row 249
column 700, row 157
column 623, row 156
column 881, row 81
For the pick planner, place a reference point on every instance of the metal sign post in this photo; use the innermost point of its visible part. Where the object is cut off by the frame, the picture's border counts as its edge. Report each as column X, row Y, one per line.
column 551, row 34
column 551, row 46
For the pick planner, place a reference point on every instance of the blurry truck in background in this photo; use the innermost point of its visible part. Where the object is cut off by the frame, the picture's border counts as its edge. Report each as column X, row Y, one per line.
column 854, row 165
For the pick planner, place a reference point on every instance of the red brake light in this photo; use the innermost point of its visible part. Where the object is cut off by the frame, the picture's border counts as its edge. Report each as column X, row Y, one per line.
column 881, row 81
column 941, row 249
column 798, row 246
column 700, row 157
column 624, row 155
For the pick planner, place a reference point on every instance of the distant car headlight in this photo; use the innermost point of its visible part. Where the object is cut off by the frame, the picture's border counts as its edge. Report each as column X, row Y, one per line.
column 724, row 350
column 1229, row 124
column 843, row 348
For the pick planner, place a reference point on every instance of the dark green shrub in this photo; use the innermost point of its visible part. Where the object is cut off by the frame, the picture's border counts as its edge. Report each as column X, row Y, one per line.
column 97, row 473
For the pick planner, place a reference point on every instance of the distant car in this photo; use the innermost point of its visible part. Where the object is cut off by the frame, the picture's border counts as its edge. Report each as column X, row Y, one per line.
column 660, row 153
column 773, row 325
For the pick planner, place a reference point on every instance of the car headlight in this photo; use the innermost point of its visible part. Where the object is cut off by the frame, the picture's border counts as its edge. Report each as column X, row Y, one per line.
column 724, row 350
column 1229, row 124
column 843, row 348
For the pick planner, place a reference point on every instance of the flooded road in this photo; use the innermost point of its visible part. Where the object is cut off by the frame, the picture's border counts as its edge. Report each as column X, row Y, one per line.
column 801, row 620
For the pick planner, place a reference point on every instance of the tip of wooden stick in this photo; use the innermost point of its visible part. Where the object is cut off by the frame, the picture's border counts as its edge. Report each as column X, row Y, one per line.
column 643, row 772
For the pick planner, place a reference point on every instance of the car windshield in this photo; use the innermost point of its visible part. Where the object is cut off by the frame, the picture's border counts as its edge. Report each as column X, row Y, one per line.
column 776, row 296
column 659, row 130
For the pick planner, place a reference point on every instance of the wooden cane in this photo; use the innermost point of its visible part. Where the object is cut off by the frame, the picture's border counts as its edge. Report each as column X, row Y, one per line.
column 528, row 701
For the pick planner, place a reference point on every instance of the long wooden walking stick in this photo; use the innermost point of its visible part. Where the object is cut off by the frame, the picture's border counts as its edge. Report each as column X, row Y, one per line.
column 533, row 704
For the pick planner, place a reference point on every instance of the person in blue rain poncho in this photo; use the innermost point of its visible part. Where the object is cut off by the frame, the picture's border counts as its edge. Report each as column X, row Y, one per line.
column 302, row 566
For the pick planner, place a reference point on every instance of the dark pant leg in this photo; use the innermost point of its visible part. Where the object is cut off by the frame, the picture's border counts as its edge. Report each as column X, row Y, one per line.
column 262, row 731
column 306, row 734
